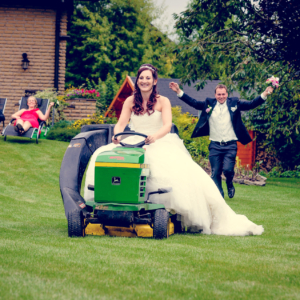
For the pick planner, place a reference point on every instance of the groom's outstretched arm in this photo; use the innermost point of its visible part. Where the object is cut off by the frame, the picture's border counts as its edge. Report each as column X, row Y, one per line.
column 247, row 105
column 186, row 98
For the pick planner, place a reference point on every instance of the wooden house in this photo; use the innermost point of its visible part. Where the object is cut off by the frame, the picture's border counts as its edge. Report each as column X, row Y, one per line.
column 246, row 154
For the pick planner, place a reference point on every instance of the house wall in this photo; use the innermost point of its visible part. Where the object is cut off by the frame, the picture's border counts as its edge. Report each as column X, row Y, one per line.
column 32, row 31
column 80, row 108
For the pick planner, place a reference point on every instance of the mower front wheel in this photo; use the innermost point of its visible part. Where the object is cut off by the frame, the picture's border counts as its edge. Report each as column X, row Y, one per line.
column 161, row 224
column 76, row 224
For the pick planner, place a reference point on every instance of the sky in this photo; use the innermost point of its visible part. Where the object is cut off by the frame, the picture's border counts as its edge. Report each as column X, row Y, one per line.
column 172, row 6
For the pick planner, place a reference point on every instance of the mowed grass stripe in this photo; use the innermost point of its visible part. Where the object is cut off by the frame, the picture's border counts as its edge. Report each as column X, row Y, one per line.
column 39, row 261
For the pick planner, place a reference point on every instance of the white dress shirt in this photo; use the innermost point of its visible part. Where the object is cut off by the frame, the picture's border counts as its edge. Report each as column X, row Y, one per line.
column 220, row 125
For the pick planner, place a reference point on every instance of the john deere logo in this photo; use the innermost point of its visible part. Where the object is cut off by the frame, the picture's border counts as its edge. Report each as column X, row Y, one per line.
column 117, row 157
column 116, row 180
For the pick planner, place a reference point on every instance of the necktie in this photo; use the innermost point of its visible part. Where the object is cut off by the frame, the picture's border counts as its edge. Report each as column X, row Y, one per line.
column 221, row 107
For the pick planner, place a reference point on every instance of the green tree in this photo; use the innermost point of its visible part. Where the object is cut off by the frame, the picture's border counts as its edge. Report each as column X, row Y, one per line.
column 243, row 43
column 107, row 89
column 115, row 37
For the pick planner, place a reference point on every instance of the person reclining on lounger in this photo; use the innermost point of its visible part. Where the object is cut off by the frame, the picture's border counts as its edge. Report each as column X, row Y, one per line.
column 27, row 118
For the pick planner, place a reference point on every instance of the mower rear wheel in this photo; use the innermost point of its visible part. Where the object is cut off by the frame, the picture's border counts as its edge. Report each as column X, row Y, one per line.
column 76, row 224
column 161, row 224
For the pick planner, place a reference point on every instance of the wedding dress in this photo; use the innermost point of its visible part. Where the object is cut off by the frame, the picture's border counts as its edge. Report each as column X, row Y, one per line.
column 194, row 194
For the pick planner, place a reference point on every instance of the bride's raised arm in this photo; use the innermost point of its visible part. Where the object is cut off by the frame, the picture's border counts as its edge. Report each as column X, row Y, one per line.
column 124, row 118
column 166, row 114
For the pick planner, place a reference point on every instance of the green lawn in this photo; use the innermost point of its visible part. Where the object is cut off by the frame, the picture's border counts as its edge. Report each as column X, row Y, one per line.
column 39, row 261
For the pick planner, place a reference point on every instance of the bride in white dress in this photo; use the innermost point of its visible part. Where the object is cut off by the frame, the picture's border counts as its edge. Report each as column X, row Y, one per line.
column 194, row 194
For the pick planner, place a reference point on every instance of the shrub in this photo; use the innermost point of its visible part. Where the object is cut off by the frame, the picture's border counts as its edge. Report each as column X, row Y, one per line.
column 288, row 153
column 197, row 147
column 62, row 124
column 62, row 131
column 262, row 173
column 276, row 172
column 288, row 174
column 82, row 93
column 60, row 104
column 94, row 119
column 107, row 89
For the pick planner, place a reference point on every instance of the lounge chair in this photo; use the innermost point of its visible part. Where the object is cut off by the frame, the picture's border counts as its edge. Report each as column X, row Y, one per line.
column 2, row 108
column 10, row 131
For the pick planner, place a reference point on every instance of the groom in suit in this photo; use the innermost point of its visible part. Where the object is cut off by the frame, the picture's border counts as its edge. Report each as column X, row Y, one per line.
column 221, row 120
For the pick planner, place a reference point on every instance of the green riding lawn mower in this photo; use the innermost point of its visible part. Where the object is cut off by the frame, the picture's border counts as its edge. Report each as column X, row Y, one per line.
column 120, row 206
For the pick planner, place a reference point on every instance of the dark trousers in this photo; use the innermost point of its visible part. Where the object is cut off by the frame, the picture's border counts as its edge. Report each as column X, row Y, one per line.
column 222, row 159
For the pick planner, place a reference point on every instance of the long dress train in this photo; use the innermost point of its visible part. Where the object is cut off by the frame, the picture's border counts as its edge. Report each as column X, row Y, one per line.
column 194, row 194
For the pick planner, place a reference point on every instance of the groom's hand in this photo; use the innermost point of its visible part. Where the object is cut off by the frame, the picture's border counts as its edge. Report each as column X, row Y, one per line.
column 174, row 87
column 269, row 90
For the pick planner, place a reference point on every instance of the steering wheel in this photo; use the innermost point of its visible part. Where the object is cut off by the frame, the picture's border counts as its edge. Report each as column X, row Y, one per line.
column 138, row 145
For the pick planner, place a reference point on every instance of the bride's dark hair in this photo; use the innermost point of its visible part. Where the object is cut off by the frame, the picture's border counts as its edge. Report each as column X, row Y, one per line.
column 138, row 99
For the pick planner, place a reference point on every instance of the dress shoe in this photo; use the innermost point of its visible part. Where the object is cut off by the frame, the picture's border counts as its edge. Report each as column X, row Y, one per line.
column 231, row 192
